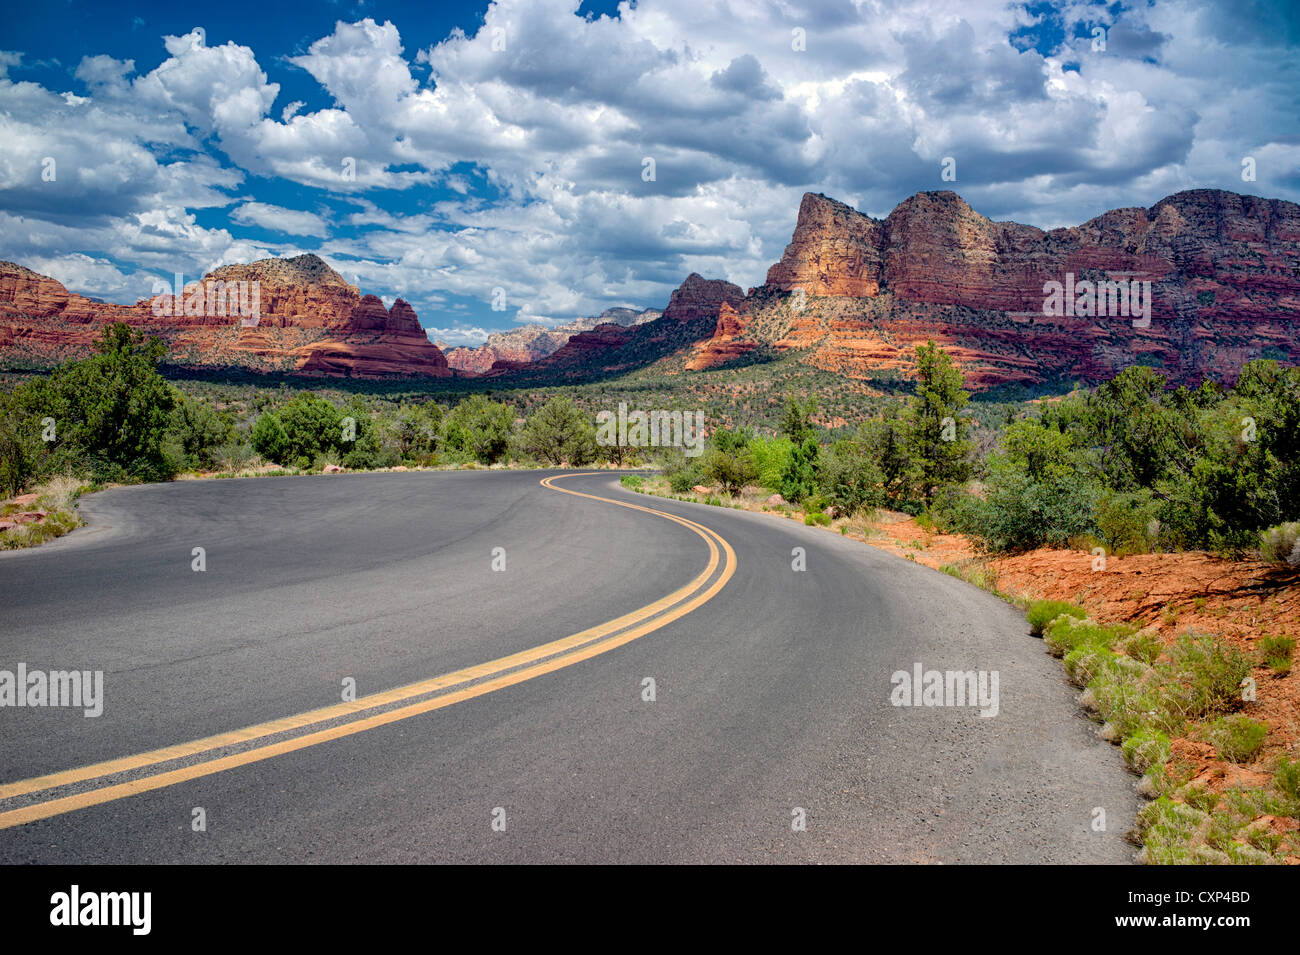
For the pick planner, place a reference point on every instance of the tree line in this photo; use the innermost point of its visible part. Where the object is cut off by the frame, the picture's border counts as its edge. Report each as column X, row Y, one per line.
column 1129, row 465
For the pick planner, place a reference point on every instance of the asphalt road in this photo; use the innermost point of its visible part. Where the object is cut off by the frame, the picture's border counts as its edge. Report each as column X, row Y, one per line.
column 772, row 687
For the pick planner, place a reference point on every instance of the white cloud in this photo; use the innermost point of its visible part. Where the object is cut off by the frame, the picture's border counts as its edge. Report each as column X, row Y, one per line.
column 280, row 219
column 540, row 145
column 458, row 337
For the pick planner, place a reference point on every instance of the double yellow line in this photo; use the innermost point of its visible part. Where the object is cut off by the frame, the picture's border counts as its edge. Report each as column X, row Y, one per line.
column 449, row 688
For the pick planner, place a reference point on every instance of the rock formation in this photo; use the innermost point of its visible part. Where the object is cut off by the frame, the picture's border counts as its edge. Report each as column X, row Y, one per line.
column 308, row 320
column 530, row 343
column 859, row 293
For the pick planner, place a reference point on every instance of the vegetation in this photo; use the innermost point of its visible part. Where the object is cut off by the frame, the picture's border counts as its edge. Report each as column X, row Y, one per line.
column 1130, row 466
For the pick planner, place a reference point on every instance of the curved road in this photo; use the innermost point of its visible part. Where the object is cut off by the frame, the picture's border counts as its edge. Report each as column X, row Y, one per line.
column 499, row 634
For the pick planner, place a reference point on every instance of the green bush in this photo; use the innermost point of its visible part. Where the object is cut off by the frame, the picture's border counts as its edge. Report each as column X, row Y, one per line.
column 479, row 428
column 682, row 472
column 1043, row 612
column 558, row 433
column 313, row 426
column 1127, row 522
column 850, row 479
column 110, row 412
column 1236, row 737
column 1145, row 647
column 269, row 439
column 1276, row 652
column 197, row 432
column 1146, row 748
column 1281, row 544
column 1287, row 777
column 771, row 458
column 1018, row 513
column 733, row 469
column 1206, row 674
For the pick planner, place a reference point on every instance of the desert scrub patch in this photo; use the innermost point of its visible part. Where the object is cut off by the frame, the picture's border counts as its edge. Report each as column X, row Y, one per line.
column 1086, row 662
column 1166, row 779
column 1067, row 633
column 1130, row 699
column 1170, row 832
column 976, row 572
column 1281, row 544
column 1043, row 612
column 633, row 482
column 1146, row 748
column 1286, row 779
column 1145, row 647
column 1276, row 653
column 1205, row 675
column 58, row 497
column 1236, row 737
column 56, row 524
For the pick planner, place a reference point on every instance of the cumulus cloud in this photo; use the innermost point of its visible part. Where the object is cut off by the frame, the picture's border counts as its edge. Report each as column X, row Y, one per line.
column 574, row 163
column 457, row 337
column 280, row 219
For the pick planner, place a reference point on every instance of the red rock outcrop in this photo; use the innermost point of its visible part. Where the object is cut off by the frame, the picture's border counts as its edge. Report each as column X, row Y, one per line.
column 835, row 250
column 1224, row 274
column 699, row 297
column 529, row 343
column 726, row 344
column 300, row 316
column 24, row 292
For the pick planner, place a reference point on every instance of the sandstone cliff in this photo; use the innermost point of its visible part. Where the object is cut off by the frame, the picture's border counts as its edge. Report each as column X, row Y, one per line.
column 857, row 293
column 308, row 320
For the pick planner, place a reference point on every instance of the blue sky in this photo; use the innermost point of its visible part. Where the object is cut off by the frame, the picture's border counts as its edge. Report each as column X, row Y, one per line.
column 442, row 152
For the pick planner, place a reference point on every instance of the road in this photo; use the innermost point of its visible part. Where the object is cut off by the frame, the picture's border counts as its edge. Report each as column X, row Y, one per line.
column 771, row 735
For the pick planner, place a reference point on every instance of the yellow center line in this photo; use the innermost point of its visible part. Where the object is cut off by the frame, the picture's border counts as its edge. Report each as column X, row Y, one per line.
column 562, row 653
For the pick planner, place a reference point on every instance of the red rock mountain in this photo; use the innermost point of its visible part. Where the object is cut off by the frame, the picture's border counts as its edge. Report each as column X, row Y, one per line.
column 309, row 321
column 855, row 294
column 610, row 348
column 852, row 295
column 530, row 343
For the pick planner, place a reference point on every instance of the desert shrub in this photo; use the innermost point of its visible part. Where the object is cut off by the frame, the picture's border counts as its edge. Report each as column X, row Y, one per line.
column 733, row 469
column 196, row 432
column 558, row 433
column 1281, row 544
column 1020, row 513
column 1206, row 675
column 771, row 458
column 110, row 415
column 269, row 439
column 682, row 472
column 1287, row 777
column 313, row 426
column 1146, row 748
column 1145, row 647
column 850, row 480
column 1236, row 737
column 479, row 428
column 1127, row 522
column 1043, row 612
column 1276, row 652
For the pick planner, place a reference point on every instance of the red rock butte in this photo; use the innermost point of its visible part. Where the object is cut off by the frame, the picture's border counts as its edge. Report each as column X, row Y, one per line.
column 855, row 294
column 310, row 321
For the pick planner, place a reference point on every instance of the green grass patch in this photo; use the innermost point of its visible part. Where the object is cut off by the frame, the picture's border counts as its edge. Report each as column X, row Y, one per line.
column 1043, row 612
column 1236, row 737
